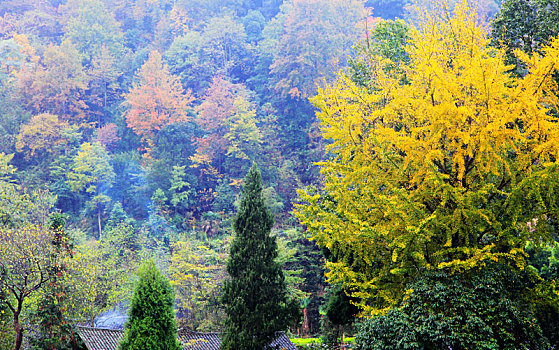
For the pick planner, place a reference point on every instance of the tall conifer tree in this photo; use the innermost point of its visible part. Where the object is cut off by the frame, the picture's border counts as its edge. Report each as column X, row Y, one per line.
column 256, row 296
column 151, row 319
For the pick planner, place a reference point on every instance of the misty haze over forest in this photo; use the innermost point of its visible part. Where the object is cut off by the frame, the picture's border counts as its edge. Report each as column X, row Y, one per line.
column 127, row 128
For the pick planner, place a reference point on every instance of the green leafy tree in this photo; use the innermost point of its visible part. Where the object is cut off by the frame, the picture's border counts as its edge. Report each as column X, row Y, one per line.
column 526, row 24
column 233, row 138
column 29, row 256
column 180, row 188
column 489, row 309
column 388, row 40
column 26, row 263
column 90, row 26
column 197, row 272
column 99, row 273
column 317, row 36
column 92, row 172
column 340, row 309
column 307, row 280
column 104, row 73
column 220, row 49
column 254, row 23
column 256, row 295
column 186, row 60
column 151, row 319
column 225, row 43
column 29, row 251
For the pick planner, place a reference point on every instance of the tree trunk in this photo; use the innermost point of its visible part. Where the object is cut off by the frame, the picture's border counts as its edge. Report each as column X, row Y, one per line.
column 104, row 104
column 19, row 331
column 305, row 327
column 99, row 219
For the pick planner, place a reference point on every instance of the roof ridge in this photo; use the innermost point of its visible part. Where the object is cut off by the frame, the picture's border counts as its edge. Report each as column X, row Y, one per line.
column 101, row 328
column 188, row 330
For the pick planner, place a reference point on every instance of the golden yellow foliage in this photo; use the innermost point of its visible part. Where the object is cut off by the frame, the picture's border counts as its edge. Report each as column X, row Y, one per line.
column 40, row 135
column 437, row 165
column 196, row 273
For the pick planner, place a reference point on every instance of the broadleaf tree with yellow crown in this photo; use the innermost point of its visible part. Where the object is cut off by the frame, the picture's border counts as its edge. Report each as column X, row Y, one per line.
column 446, row 163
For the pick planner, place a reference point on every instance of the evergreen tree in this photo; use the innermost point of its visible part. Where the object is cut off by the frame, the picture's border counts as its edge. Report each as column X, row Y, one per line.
column 340, row 311
column 151, row 319
column 481, row 309
column 256, row 296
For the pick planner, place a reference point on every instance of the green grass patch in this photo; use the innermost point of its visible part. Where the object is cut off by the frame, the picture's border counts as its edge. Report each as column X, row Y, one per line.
column 306, row 341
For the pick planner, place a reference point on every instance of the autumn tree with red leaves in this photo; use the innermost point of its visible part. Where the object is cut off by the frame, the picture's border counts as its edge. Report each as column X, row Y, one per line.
column 155, row 100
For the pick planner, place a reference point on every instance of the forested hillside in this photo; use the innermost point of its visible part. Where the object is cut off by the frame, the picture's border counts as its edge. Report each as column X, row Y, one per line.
column 127, row 127
column 138, row 120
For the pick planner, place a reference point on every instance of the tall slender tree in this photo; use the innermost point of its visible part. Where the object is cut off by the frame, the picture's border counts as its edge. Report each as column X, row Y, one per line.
column 151, row 323
column 255, row 297
column 93, row 173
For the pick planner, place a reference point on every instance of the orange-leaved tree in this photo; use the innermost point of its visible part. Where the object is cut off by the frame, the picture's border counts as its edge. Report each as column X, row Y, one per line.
column 56, row 85
column 157, row 99
column 437, row 165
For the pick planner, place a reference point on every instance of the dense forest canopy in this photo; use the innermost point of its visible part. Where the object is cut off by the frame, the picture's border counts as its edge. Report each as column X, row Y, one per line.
column 137, row 121
column 127, row 127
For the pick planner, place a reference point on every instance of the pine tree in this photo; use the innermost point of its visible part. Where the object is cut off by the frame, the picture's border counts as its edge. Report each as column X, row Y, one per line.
column 255, row 297
column 151, row 319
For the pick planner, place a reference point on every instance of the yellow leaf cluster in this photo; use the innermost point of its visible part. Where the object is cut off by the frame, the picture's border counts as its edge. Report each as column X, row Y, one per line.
column 40, row 135
column 429, row 164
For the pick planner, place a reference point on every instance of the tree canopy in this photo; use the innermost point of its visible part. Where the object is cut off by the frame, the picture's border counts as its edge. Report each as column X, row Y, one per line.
column 151, row 318
column 156, row 100
column 440, row 170
column 490, row 309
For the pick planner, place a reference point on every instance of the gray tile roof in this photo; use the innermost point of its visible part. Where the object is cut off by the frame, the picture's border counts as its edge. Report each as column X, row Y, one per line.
column 199, row 341
column 100, row 338
column 282, row 342
column 108, row 339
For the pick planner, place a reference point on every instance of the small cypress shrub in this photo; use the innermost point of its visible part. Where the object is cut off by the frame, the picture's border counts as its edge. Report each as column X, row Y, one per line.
column 151, row 318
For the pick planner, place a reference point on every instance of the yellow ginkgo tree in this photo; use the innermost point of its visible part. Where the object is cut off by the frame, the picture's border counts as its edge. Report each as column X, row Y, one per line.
column 439, row 164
